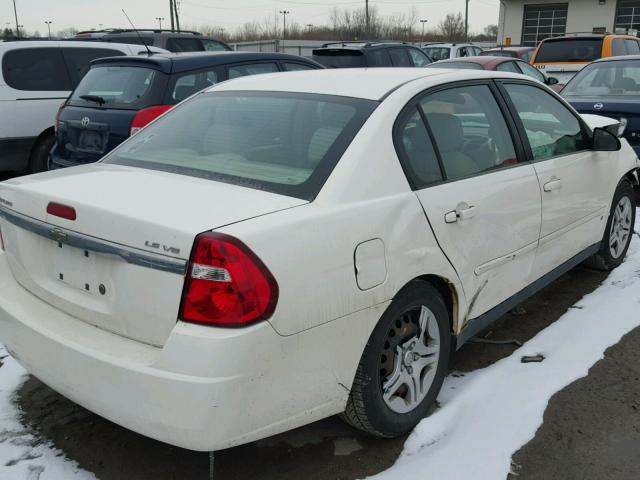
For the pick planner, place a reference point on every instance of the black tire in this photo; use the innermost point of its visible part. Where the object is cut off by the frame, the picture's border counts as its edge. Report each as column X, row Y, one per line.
column 604, row 259
column 39, row 161
column 366, row 409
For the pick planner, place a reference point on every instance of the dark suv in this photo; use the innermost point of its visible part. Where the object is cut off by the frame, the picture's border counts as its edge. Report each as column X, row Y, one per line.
column 183, row 41
column 370, row 54
column 120, row 95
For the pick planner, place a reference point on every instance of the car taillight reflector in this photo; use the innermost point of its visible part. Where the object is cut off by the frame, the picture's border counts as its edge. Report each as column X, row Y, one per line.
column 226, row 284
column 146, row 116
column 62, row 211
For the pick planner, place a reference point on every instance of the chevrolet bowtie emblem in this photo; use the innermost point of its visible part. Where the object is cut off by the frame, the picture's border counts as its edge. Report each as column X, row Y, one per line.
column 57, row 235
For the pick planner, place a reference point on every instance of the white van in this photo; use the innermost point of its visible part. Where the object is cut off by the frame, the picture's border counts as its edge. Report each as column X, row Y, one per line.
column 35, row 78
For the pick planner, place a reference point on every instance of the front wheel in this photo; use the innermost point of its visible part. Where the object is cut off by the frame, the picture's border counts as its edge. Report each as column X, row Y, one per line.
column 619, row 229
column 403, row 365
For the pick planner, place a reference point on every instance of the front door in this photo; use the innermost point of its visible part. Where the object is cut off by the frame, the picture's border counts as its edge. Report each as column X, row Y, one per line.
column 573, row 179
column 483, row 204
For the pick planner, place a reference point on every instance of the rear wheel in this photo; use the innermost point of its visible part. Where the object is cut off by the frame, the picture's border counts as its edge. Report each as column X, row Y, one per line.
column 403, row 365
column 39, row 160
column 619, row 229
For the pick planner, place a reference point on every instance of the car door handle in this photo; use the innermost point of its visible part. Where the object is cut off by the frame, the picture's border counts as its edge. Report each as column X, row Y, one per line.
column 553, row 184
column 462, row 212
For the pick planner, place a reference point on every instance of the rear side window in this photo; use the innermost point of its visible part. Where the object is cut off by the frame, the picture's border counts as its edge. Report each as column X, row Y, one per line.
column 287, row 143
column 379, row 58
column 183, row 86
column 117, row 87
column 36, row 69
column 618, row 47
column 632, row 47
column 213, row 46
column 78, row 60
column 508, row 67
column 469, row 131
column 251, row 69
column 184, row 45
column 399, row 57
column 416, row 151
column 342, row 58
column 551, row 128
column 438, row 53
column 574, row 50
column 295, row 67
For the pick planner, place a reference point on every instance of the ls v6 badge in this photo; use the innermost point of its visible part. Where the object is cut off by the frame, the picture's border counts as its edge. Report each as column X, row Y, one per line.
column 165, row 248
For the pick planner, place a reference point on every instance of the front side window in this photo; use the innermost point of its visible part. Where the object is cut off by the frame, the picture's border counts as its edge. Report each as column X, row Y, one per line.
column 550, row 126
column 469, row 131
column 287, row 143
column 35, row 69
column 606, row 79
column 399, row 57
column 187, row 84
column 117, row 87
column 213, row 46
column 527, row 56
column 244, row 70
column 438, row 53
column 418, row 58
column 416, row 151
column 530, row 71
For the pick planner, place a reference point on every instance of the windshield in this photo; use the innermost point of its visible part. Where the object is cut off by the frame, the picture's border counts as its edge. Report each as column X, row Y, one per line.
column 286, row 143
column 456, row 65
column 116, row 87
column 438, row 53
column 570, row 50
column 603, row 79
column 339, row 58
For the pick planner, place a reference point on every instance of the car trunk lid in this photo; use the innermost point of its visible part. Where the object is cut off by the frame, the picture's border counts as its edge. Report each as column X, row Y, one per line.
column 120, row 264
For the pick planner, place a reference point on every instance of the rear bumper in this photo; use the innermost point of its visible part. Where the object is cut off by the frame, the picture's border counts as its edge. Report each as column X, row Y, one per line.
column 206, row 389
column 57, row 160
column 15, row 152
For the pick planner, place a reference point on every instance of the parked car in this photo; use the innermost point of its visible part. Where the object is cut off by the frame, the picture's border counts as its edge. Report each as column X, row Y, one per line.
column 120, row 95
column 523, row 53
column 562, row 57
column 444, row 51
column 285, row 247
column 610, row 87
column 183, row 41
column 36, row 76
column 370, row 54
column 499, row 64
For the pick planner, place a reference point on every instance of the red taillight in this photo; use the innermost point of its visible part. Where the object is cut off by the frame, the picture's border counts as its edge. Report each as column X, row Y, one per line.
column 62, row 211
column 146, row 116
column 226, row 284
column 56, row 125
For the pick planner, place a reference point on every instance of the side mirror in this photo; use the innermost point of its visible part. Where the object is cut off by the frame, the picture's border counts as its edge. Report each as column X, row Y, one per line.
column 605, row 141
column 551, row 81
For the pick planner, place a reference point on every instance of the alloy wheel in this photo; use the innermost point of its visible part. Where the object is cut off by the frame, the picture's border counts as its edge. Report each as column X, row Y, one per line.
column 620, row 227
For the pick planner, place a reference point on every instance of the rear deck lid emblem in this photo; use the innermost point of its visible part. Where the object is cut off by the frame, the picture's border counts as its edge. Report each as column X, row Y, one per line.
column 57, row 235
column 598, row 106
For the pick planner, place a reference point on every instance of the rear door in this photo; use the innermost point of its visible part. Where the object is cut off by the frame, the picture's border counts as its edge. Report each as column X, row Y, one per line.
column 482, row 203
column 575, row 193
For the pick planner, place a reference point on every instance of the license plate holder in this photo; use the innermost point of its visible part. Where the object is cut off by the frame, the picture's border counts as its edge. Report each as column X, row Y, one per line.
column 77, row 268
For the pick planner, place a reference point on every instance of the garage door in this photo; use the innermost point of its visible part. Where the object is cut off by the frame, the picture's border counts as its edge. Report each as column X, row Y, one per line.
column 543, row 21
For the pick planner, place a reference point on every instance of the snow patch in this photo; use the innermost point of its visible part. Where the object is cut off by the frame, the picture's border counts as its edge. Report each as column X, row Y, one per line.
column 487, row 415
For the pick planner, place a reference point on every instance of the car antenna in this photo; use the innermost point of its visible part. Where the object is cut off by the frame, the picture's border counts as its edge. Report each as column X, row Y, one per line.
column 137, row 33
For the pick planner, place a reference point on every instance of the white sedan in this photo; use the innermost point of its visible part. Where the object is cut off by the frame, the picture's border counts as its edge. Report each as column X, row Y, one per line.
column 283, row 248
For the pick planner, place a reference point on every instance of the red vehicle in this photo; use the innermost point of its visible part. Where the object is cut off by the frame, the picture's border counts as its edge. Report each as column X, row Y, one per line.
column 500, row 64
column 523, row 53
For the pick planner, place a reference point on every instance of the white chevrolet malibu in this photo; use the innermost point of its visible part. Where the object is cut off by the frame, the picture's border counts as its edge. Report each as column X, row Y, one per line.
column 282, row 248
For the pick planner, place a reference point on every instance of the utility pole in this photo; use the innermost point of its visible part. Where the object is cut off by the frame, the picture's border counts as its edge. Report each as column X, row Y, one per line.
column 366, row 14
column 48, row 22
column 284, row 14
column 160, row 21
column 309, row 26
column 175, row 9
column 466, row 20
column 422, row 22
column 173, row 25
column 15, row 12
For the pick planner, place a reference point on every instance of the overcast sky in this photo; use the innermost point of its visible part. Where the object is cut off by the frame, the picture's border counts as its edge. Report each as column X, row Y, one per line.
column 87, row 14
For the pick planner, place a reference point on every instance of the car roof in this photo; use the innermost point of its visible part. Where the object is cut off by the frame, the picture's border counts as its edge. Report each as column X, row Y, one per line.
column 484, row 60
column 510, row 49
column 582, row 36
column 617, row 58
column 72, row 43
column 358, row 45
column 348, row 82
column 442, row 44
column 182, row 62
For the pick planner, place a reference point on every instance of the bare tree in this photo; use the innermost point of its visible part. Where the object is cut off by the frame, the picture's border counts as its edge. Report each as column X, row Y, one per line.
column 452, row 27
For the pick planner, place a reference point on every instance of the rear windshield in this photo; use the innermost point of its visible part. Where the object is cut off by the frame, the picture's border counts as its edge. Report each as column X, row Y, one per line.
column 339, row 58
column 438, row 53
column 456, row 65
column 287, row 143
column 574, row 50
column 117, row 87
column 605, row 79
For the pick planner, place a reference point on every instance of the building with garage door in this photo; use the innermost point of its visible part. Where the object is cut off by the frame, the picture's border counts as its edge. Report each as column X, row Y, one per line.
column 526, row 22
